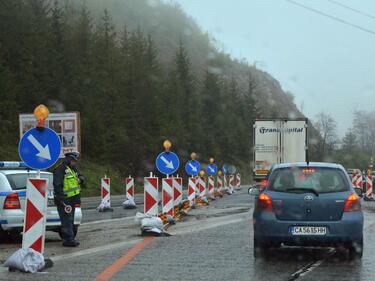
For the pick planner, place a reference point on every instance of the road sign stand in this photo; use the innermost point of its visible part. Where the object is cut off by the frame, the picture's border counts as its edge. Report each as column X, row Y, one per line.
column 151, row 189
column 238, row 181
column 35, row 214
column 105, row 205
column 202, row 200
column 219, row 192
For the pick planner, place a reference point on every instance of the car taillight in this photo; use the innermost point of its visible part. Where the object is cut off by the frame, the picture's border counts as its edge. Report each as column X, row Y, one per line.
column 264, row 203
column 77, row 205
column 12, row 202
column 352, row 203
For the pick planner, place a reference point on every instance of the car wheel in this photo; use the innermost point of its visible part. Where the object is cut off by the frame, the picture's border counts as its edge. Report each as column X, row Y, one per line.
column 75, row 231
column 355, row 250
column 261, row 249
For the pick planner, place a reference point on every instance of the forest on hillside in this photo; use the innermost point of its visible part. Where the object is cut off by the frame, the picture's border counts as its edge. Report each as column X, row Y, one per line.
column 133, row 86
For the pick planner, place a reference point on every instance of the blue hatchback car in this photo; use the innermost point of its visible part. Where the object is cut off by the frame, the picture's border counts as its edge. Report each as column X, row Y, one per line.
column 308, row 204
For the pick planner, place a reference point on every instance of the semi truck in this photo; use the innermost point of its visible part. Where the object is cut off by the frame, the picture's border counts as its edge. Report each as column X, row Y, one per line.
column 278, row 141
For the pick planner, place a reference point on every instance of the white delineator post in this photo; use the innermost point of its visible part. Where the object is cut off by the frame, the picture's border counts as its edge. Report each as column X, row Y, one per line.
column 191, row 191
column 106, row 192
column 34, row 227
column 151, row 195
column 369, row 194
column 130, row 188
column 177, row 191
column 167, row 196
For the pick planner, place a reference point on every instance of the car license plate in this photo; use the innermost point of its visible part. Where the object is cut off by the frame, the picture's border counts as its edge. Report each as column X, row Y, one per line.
column 309, row 230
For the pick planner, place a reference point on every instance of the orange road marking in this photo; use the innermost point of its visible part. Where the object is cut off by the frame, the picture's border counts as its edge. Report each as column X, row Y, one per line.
column 108, row 273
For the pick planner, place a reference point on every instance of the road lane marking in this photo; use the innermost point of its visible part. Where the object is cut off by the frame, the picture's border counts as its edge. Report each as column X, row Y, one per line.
column 95, row 250
column 125, row 259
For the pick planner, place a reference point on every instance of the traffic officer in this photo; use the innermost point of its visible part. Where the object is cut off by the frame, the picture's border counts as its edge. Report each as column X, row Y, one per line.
column 66, row 183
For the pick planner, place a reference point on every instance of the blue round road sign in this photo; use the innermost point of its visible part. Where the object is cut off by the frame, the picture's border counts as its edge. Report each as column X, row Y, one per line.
column 39, row 149
column 167, row 163
column 192, row 167
column 211, row 169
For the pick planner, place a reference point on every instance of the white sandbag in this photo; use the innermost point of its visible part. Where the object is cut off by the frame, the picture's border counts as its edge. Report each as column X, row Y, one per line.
column 129, row 204
column 139, row 217
column 26, row 260
column 151, row 223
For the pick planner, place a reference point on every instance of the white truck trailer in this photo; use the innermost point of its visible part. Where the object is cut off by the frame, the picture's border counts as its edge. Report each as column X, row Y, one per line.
column 278, row 141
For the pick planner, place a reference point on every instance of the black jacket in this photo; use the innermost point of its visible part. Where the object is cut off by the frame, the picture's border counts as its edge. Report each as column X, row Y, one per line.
column 58, row 185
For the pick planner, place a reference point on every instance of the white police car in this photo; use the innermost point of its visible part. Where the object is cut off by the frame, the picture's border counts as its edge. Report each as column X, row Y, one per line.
column 13, row 177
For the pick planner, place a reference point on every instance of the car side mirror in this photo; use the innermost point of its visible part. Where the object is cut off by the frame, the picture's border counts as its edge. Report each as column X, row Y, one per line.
column 253, row 191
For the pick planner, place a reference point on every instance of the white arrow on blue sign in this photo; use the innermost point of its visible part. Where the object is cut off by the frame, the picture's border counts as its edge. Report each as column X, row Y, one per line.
column 192, row 167
column 39, row 149
column 211, row 169
column 167, row 163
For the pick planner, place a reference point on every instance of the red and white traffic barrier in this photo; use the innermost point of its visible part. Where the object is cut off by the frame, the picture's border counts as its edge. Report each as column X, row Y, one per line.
column 151, row 195
column 211, row 186
column 202, row 186
column 219, row 184
column 34, row 227
column 167, row 196
column 369, row 194
column 357, row 180
column 238, row 181
column 177, row 191
column 231, row 182
column 130, row 188
column 105, row 204
column 191, row 191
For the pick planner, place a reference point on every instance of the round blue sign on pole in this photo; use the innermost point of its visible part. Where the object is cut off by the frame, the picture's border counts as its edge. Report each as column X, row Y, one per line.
column 167, row 163
column 192, row 167
column 39, row 149
column 211, row 169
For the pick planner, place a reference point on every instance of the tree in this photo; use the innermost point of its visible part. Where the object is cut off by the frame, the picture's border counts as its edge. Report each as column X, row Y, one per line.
column 326, row 126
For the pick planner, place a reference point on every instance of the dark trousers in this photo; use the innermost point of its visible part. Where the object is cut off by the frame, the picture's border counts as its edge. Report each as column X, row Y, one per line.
column 67, row 222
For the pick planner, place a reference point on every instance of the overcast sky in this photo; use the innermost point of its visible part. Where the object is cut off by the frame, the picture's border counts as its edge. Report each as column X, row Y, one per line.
column 327, row 65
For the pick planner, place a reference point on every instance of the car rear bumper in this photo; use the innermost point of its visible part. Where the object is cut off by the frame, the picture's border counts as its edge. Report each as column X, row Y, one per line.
column 270, row 230
column 13, row 219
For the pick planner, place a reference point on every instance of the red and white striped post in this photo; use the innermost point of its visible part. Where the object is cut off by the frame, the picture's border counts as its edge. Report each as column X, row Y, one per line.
column 202, row 186
column 211, row 187
column 34, row 227
column 130, row 188
column 369, row 194
column 357, row 179
column 231, row 182
column 105, row 187
column 151, row 195
column 191, row 190
column 225, row 182
column 177, row 191
column 167, row 196
column 219, row 184
column 238, row 181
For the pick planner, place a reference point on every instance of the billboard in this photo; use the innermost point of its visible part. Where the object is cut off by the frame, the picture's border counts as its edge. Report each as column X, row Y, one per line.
column 66, row 125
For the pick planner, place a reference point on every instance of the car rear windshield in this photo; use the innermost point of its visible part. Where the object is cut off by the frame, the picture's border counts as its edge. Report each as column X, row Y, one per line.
column 321, row 180
column 18, row 181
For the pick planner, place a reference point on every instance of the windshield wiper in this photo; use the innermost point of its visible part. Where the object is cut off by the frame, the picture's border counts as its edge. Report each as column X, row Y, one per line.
column 305, row 190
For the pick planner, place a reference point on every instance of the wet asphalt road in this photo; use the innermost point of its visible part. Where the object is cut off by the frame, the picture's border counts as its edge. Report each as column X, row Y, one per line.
column 212, row 243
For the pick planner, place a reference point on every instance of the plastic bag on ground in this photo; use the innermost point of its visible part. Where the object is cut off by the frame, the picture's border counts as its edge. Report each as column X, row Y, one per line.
column 26, row 260
column 129, row 204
